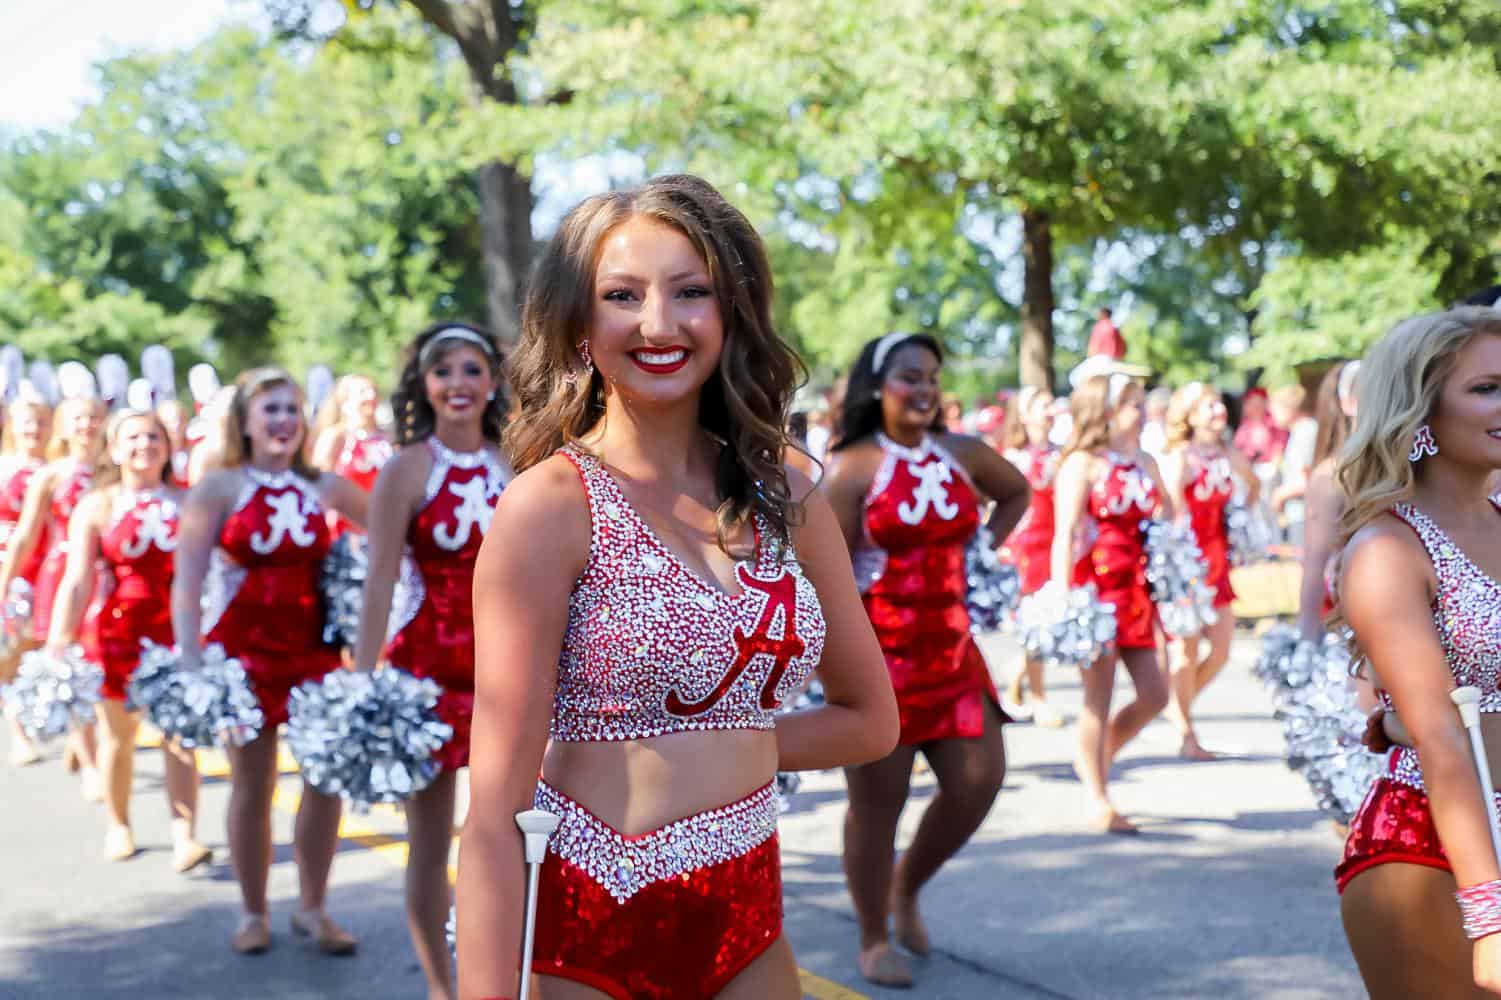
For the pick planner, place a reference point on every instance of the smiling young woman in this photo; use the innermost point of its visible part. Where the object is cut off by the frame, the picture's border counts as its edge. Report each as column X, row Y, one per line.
column 1419, row 585
column 909, row 497
column 653, row 585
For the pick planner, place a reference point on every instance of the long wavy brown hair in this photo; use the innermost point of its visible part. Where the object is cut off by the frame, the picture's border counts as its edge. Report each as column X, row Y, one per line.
column 745, row 407
column 1090, row 407
column 1328, row 409
column 415, row 419
column 249, row 385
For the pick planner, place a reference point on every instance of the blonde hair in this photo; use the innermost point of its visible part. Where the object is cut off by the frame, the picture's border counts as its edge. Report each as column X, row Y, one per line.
column 57, row 444
column 249, row 385
column 1399, row 387
column 1091, row 409
column 107, row 471
column 1014, row 430
column 1177, row 424
column 8, row 443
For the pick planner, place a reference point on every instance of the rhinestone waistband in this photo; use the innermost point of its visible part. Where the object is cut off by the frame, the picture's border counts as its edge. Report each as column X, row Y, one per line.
column 623, row 865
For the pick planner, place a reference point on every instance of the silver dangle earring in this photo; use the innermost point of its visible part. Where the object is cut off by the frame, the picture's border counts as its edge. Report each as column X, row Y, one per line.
column 1423, row 445
column 587, row 357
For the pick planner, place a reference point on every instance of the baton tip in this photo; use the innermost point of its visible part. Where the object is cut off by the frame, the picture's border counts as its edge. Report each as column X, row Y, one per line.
column 1468, row 695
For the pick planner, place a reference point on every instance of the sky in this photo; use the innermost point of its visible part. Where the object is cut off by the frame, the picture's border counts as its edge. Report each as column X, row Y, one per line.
column 48, row 46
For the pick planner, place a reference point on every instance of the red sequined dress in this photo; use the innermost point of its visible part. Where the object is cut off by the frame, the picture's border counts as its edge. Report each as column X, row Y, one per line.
column 360, row 460
column 920, row 514
column 1030, row 546
column 1116, row 559
column 15, row 477
column 138, row 547
column 260, row 597
column 1211, row 485
column 652, row 648
column 1395, row 823
column 71, row 487
column 434, row 627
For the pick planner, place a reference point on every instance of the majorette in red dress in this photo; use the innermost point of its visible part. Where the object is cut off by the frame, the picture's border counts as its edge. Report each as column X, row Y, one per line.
column 15, row 477
column 920, row 514
column 360, row 460
column 434, row 627
column 138, row 547
column 1030, row 546
column 1116, row 560
column 1211, row 484
column 65, row 496
column 261, row 599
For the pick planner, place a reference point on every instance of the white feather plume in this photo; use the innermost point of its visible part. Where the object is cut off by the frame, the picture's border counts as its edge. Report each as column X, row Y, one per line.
column 140, row 395
column 320, row 384
column 43, row 381
column 203, row 383
column 75, row 381
column 114, row 377
column 12, row 370
column 157, row 367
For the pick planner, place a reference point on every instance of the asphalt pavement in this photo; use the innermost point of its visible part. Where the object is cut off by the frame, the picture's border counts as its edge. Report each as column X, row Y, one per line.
column 1227, row 894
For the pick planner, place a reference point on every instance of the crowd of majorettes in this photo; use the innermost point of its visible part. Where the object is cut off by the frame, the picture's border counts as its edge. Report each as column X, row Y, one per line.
column 626, row 615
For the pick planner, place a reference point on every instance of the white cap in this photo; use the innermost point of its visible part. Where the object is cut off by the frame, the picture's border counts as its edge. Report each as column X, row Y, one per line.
column 1103, row 364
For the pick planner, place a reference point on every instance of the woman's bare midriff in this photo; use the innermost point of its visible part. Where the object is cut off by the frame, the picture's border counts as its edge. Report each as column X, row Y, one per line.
column 643, row 785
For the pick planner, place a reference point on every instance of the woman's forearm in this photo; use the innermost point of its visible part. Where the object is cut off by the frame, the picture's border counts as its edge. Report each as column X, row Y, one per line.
column 833, row 736
column 490, row 895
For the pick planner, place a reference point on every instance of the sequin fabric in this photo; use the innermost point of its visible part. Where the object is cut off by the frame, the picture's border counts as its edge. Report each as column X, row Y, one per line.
column 138, row 548
column 623, row 865
column 1211, row 485
column 652, row 648
column 271, row 548
column 15, row 477
column 1467, row 615
column 922, row 518
column 679, row 936
column 70, row 488
column 436, row 608
column 1395, row 823
column 1030, row 545
column 1115, row 560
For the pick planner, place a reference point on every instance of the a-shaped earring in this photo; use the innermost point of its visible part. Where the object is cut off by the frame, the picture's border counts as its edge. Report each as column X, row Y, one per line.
column 1423, row 445
column 587, row 357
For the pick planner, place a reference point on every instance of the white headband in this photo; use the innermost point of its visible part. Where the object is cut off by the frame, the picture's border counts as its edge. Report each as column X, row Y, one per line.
column 884, row 347
column 430, row 349
column 1118, row 383
column 1346, row 381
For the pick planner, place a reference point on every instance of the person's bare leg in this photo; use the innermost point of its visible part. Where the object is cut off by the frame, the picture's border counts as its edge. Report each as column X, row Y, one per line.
column 1183, row 685
column 1150, row 700
column 116, row 760
column 1091, row 763
column 181, row 769
column 970, row 773
column 877, row 794
column 428, row 894
column 248, row 822
column 315, row 841
column 1404, row 930
column 771, row 976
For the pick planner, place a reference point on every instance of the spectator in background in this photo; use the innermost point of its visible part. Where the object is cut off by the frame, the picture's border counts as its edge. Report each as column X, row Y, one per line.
column 1154, row 430
column 1258, row 437
column 1297, row 456
column 990, row 425
column 1106, row 338
column 953, row 415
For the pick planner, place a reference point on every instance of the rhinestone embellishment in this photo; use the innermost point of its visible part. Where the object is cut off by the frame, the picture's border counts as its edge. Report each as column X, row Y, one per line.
column 623, row 866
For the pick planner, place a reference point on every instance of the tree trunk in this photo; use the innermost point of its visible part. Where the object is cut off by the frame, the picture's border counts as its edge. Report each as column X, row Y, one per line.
column 1036, row 358
column 506, row 226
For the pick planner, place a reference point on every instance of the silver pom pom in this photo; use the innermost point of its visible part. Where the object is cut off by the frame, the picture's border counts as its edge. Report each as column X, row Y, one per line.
column 15, row 617
column 1249, row 533
column 451, row 931
column 342, row 582
column 1321, row 723
column 205, row 706
column 51, row 694
column 369, row 737
column 994, row 587
column 1066, row 627
column 1176, row 570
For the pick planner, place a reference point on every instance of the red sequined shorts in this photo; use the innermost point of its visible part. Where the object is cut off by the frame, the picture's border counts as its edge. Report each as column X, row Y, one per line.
column 674, row 914
column 1392, row 826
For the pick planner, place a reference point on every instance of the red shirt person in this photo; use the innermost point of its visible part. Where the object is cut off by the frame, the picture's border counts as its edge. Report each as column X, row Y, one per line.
column 1106, row 338
column 1259, row 437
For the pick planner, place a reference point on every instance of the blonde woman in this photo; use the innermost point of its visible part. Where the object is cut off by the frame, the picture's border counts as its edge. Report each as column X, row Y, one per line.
column 124, row 534
column 350, row 442
column 1106, row 487
column 1420, row 562
column 23, row 451
column 1029, row 421
column 1202, row 475
column 252, row 539
column 51, row 496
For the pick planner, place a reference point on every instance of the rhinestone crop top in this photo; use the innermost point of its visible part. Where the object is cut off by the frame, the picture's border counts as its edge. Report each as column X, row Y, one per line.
column 653, row 648
column 1467, row 615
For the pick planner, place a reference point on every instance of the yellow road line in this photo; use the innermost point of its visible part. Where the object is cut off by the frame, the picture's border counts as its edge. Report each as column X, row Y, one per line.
column 819, row 988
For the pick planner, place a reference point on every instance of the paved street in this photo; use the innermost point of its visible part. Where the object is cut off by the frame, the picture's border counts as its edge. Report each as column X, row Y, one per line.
column 1227, row 894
